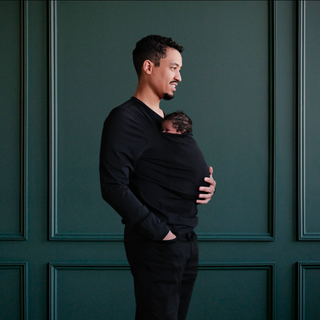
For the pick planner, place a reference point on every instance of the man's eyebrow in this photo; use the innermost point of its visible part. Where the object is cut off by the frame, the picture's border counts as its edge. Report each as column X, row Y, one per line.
column 175, row 64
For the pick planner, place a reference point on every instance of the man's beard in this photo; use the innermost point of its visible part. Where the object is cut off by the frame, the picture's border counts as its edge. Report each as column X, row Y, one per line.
column 167, row 96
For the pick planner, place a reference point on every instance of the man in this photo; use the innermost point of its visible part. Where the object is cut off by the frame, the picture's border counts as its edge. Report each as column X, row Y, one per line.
column 160, row 244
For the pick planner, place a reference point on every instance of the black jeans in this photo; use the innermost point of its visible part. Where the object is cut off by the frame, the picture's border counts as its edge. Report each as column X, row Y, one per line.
column 164, row 273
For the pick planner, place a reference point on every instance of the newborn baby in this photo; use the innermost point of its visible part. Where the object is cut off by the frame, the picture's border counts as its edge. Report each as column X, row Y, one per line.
column 177, row 123
column 183, row 168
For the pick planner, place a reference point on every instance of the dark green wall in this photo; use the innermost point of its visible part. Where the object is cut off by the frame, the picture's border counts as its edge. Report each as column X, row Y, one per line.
column 250, row 84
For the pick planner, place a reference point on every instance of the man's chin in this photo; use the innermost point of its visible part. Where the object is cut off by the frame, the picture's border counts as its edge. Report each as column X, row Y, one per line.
column 167, row 96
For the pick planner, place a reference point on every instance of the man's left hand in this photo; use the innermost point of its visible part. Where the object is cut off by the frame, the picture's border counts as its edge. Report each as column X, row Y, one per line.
column 209, row 191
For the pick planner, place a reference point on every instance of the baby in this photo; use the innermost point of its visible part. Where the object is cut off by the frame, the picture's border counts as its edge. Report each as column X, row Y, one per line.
column 183, row 167
column 177, row 123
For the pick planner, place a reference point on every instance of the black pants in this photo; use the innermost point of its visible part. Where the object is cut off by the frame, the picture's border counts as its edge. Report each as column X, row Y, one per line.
column 164, row 273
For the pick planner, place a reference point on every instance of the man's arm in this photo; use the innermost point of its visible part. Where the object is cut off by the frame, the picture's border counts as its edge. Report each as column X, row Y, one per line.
column 122, row 144
column 206, row 197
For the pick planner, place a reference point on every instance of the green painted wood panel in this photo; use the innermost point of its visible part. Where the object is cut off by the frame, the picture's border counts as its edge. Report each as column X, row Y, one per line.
column 13, row 121
column 309, row 294
column 240, row 80
column 237, row 109
column 309, row 116
column 101, row 290
column 252, row 285
column 13, row 293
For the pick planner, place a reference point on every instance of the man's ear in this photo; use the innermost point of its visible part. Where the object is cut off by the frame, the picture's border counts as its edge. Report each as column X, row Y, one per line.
column 147, row 66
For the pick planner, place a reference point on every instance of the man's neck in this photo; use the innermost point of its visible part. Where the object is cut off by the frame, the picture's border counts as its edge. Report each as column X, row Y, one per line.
column 152, row 102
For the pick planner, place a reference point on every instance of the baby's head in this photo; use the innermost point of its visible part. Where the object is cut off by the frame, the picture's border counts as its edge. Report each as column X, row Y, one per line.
column 177, row 122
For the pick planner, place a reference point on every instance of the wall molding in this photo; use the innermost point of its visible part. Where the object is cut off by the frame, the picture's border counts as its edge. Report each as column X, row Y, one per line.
column 24, row 121
column 53, row 117
column 301, row 81
column 269, row 266
column 302, row 267
column 23, row 268
column 271, row 234
column 54, row 267
column 302, row 122
column 23, row 223
column 54, row 233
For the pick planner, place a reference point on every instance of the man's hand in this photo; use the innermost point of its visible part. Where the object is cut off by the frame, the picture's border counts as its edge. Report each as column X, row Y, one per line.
column 206, row 197
column 169, row 236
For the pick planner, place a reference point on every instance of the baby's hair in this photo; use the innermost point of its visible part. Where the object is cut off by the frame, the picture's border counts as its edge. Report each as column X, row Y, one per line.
column 180, row 121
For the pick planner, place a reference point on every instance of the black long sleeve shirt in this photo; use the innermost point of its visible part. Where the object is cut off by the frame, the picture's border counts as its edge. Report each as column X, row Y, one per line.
column 150, row 178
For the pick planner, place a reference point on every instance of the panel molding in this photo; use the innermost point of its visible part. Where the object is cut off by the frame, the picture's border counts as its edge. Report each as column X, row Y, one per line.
column 301, row 120
column 302, row 226
column 53, row 117
column 54, row 233
column 207, row 236
column 271, row 234
column 302, row 267
column 23, row 223
column 54, row 267
column 269, row 266
column 23, row 268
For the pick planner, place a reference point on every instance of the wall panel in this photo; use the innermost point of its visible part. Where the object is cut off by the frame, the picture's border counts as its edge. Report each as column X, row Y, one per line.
column 13, row 121
column 242, row 109
column 90, row 291
column 235, row 291
column 309, row 118
column 85, row 84
column 227, row 291
column 14, row 291
column 308, row 290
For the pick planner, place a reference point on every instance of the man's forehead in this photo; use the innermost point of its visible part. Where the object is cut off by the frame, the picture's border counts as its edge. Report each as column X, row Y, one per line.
column 172, row 58
column 175, row 61
column 173, row 53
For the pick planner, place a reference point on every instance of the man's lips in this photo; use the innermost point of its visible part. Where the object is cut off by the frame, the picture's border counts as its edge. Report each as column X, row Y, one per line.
column 174, row 84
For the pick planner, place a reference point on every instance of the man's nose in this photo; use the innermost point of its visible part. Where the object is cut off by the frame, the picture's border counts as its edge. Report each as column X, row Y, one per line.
column 178, row 76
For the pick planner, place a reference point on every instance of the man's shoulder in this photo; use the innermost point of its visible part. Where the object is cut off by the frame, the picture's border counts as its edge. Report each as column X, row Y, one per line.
column 129, row 114
column 122, row 107
column 128, row 109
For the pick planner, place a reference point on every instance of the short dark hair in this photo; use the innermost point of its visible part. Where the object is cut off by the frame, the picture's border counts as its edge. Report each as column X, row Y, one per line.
column 180, row 121
column 153, row 48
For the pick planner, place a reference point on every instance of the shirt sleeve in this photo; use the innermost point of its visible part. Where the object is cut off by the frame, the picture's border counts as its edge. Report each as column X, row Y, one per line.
column 123, row 142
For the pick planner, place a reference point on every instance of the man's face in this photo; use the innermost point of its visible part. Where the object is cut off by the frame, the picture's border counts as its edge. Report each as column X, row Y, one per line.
column 167, row 126
column 166, row 77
